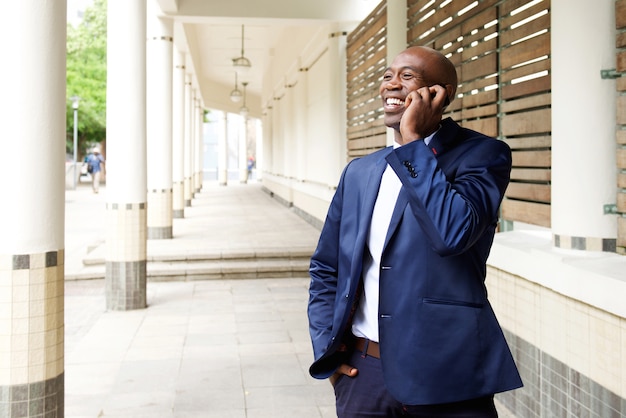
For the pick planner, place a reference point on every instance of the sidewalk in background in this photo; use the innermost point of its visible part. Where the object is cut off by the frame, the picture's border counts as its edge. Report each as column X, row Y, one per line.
column 203, row 348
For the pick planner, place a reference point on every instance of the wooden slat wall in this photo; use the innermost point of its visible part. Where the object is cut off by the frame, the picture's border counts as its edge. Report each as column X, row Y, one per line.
column 620, row 67
column 525, row 109
column 502, row 54
column 366, row 61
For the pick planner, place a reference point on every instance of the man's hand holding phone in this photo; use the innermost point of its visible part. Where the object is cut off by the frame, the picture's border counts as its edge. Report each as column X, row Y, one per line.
column 423, row 112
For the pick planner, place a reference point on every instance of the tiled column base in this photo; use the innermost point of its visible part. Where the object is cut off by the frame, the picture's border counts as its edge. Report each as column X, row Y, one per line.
column 35, row 399
column 160, row 214
column 32, row 335
column 584, row 243
column 125, row 278
column 187, row 192
column 178, row 201
column 126, row 285
column 198, row 182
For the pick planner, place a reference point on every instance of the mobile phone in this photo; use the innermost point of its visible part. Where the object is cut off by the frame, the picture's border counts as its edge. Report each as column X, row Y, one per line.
column 447, row 102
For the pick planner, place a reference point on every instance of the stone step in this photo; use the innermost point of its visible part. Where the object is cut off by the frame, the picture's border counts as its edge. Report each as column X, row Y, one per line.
column 196, row 265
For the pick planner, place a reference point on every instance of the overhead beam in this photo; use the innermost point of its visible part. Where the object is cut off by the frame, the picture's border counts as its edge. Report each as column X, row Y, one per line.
column 168, row 6
column 330, row 10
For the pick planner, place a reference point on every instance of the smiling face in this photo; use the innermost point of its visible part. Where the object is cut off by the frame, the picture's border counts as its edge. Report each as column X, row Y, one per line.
column 412, row 69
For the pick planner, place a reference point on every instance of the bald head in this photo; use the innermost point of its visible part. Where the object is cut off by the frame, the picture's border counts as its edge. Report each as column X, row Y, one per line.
column 435, row 67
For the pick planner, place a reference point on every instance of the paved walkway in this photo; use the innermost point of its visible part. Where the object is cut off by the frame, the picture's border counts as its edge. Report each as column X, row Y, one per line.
column 203, row 348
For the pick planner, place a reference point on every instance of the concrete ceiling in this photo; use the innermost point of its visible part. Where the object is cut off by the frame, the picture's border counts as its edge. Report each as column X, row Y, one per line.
column 210, row 32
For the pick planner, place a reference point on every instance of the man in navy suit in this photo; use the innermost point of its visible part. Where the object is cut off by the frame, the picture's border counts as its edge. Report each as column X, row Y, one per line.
column 398, row 311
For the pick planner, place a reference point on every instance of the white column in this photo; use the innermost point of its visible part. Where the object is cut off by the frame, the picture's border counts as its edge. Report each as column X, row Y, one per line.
column 194, row 139
column 200, row 147
column 32, row 218
column 222, row 152
column 178, row 136
column 243, row 150
column 259, row 162
column 159, row 123
column 299, row 91
column 337, row 45
column 583, row 126
column 188, row 115
column 126, row 155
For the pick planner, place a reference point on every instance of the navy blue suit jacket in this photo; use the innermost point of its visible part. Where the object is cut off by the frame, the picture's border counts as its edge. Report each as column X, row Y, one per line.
column 439, row 338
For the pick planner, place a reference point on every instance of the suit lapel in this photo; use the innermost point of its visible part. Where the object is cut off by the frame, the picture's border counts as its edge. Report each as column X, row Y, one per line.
column 396, row 217
column 372, row 184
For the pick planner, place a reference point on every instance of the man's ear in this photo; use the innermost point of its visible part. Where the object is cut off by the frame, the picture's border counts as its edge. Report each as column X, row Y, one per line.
column 450, row 91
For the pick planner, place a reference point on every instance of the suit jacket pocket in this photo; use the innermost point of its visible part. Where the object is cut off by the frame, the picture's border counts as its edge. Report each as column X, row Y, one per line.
column 453, row 302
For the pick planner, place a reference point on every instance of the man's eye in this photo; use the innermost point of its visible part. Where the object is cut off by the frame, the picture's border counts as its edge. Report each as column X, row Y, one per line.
column 407, row 76
column 387, row 77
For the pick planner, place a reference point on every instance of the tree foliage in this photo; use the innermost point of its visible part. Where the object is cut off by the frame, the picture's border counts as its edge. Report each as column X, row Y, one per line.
column 86, row 77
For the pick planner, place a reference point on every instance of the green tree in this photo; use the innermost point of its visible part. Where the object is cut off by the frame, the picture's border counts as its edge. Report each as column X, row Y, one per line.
column 86, row 77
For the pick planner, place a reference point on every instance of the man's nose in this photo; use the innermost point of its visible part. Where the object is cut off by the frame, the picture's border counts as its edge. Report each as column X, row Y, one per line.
column 392, row 84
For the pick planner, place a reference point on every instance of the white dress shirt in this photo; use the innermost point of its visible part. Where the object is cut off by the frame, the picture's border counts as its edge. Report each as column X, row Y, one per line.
column 365, row 321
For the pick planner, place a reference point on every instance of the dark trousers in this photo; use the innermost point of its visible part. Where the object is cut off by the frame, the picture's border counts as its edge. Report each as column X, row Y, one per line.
column 365, row 396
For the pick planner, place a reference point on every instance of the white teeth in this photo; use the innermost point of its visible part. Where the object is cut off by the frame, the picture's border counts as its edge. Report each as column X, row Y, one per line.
column 394, row 101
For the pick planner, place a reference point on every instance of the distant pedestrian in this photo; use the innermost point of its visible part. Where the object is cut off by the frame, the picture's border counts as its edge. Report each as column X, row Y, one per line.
column 95, row 166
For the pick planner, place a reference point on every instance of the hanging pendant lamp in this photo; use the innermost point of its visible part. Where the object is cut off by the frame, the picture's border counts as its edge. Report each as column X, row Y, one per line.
column 236, row 95
column 243, row 111
column 242, row 63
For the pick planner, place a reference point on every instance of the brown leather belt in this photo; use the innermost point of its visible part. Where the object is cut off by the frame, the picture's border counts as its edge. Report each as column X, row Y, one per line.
column 373, row 349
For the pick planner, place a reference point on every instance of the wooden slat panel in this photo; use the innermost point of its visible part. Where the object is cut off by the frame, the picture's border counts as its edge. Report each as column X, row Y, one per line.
column 366, row 129
column 366, row 59
column 480, row 99
column 525, row 70
column 527, row 122
column 621, row 137
column 367, row 107
column 481, row 111
column 371, row 23
column 537, row 85
column 621, row 62
column 621, row 110
column 375, row 57
column 529, row 212
column 620, row 14
column 525, row 51
column 532, row 158
column 451, row 37
column 478, row 22
column 487, row 126
column 480, row 67
column 529, row 191
column 529, row 142
column 507, row 20
column 621, row 202
column 621, row 158
column 621, row 180
column 371, row 142
column 542, row 100
column 528, row 29
column 531, row 174
column 620, row 40
column 621, row 234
